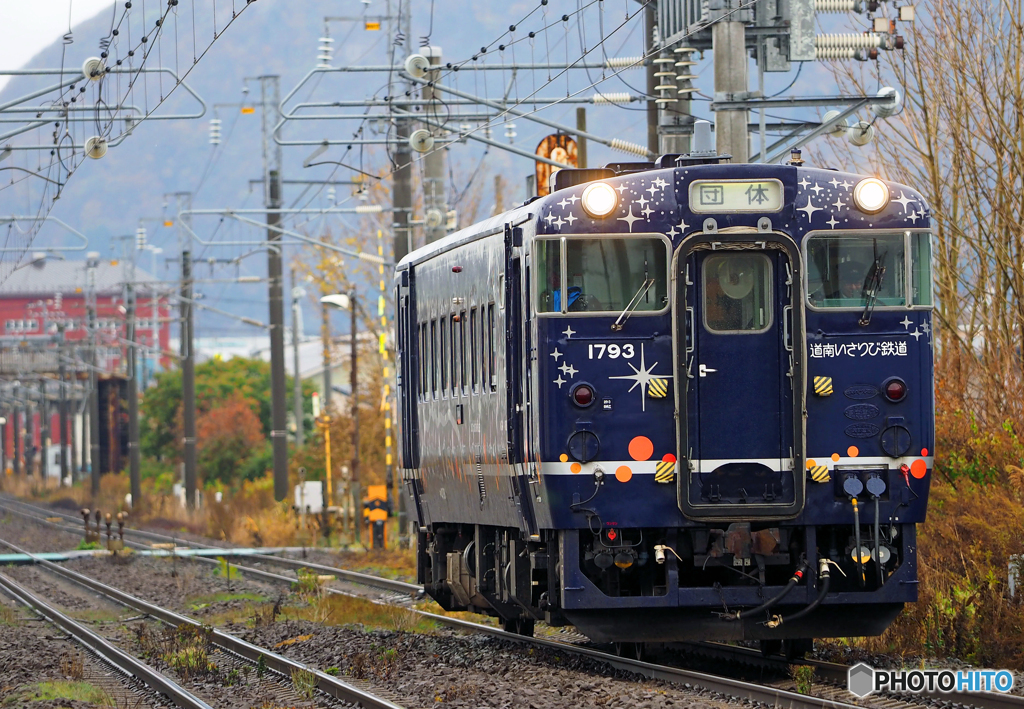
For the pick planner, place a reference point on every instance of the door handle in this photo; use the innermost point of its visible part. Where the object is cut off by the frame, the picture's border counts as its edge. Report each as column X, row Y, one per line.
column 704, row 369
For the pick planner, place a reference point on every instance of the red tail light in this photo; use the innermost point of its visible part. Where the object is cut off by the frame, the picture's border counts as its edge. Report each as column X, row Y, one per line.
column 583, row 395
column 895, row 389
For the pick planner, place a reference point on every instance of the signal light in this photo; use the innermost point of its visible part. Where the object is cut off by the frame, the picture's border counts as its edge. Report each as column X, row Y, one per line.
column 895, row 389
column 583, row 395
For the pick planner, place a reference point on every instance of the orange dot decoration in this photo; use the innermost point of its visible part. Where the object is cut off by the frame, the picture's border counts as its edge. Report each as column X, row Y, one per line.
column 853, row 451
column 924, row 452
column 835, row 457
column 811, row 462
column 575, row 468
column 918, row 468
column 668, row 458
column 623, row 473
column 564, row 458
column 641, row 448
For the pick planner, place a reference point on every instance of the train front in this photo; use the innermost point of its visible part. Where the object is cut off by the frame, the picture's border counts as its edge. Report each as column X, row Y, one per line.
column 734, row 371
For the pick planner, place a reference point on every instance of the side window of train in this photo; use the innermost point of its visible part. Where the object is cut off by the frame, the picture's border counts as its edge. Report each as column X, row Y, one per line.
column 433, row 358
column 444, row 355
column 737, row 292
column 463, row 371
column 842, row 268
column 453, row 357
column 491, row 373
column 474, row 349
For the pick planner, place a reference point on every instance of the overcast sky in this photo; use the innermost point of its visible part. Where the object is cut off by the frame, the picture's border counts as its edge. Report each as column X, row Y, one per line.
column 28, row 26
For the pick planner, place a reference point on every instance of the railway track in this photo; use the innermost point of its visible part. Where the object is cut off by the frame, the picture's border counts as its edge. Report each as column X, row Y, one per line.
column 833, row 674
column 105, row 651
column 254, row 654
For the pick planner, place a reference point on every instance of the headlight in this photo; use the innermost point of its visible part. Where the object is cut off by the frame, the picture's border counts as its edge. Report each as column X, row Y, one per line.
column 599, row 200
column 871, row 195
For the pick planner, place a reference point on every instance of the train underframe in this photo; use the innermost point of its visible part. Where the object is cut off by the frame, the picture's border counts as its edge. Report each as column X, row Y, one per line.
column 724, row 581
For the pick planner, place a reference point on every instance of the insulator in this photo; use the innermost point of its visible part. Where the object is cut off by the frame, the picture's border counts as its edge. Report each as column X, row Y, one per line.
column 325, row 53
column 332, row 194
column 664, row 73
column 685, row 77
column 624, row 62
column 665, row 87
column 369, row 209
column 612, row 97
column 510, row 131
column 627, row 147
column 837, row 6
column 140, row 238
column 825, row 53
column 849, row 40
column 214, row 131
column 684, row 50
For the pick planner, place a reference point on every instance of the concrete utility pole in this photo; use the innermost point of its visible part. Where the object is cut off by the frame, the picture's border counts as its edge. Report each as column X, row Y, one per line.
column 581, row 142
column 44, row 430
column 15, row 433
column 188, row 380
column 650, row 23
column 134, row 454
column 270, row 93
column 401, row 196
column 434, row 202
column 300, row 433
column 92, row 263
column 62, row 373
column 354, row 400
column 729, row 47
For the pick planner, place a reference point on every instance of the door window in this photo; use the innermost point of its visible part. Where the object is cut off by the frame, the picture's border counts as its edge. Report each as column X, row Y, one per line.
column 737, row 293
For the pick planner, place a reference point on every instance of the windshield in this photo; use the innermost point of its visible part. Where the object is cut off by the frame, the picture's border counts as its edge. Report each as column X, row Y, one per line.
column 601, row 274
column 843, row 269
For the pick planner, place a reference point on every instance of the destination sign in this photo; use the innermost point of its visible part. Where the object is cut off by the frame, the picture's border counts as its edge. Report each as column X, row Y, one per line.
column 735, row 196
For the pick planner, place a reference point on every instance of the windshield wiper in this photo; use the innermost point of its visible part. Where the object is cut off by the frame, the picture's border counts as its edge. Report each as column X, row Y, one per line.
column 871, row 289
column 632, row 305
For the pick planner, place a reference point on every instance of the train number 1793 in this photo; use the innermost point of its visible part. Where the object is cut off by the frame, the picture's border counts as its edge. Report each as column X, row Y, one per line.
column 598, row 351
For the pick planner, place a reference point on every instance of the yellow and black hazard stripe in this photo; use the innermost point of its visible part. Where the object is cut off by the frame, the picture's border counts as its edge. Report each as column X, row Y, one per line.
column 819, row 474
column 657, row 388
column 823, row 386
column 665, row 471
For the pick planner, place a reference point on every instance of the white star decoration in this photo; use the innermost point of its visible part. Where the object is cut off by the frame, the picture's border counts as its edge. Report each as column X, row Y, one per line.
column 568, row 332
column 642, row 201
column 559, row 381
column 573, row 200
column 647, row 212
column 839, row 204
column 846, row 184
column 549, row 218
column 917, row 334
column 832, row 221
column 679, row 228
column 903, row 200
column 926, row 327
column 809, row 209
column 621, row 188
column 642, row 377
column 570, row 219
column 913, row 217
column 568, row 370
column 816, row 189
column 834, row 182
column 559, row 222
column 563, row 203
column 661, row 183
column 653, row 189
column 906, row 322
column 630, row 219
column 556, row 354
column 803, row 182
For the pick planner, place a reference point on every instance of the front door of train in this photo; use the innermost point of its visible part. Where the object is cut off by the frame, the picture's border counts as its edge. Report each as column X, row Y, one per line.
column 738, row 437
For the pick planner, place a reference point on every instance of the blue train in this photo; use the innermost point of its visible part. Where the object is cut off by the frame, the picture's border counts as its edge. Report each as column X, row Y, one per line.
column 674, row 400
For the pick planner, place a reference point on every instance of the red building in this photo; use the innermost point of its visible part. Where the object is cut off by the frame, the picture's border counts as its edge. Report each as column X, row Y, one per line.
column 39, row 298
